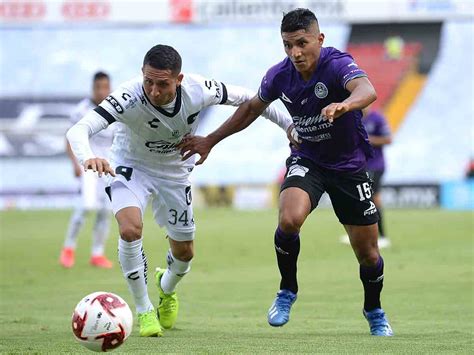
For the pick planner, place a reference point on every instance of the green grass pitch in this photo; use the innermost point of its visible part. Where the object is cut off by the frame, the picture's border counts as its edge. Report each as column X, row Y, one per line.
column 428, row 292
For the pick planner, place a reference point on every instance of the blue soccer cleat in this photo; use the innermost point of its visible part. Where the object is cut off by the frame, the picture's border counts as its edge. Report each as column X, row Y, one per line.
column 378, row 323
column 279, row 312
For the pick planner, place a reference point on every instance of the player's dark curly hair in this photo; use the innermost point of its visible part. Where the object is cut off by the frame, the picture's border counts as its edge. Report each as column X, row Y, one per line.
column 163, row 57
column 100, row 75
column 298, row 19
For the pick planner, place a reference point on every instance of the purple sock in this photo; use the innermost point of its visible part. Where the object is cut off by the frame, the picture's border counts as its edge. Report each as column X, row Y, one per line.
column 372, row 279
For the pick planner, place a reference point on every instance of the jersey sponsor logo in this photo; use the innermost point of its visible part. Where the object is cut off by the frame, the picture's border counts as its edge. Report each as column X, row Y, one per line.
column 114, row 103
column 318, row 138
column 161, row 146
column 371, row 210
column 320, row 90
column 210, row 83
column 297, row 170
column 285, row 98
column 311, row 124
column 358, row 71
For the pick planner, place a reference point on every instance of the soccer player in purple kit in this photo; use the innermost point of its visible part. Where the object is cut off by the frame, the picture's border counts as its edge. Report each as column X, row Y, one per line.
column 379, row 134
column 324, row 91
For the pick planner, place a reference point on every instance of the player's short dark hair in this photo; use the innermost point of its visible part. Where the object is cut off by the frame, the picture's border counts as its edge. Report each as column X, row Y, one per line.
column 100, row 75
column 163, row 57
column 298, row 19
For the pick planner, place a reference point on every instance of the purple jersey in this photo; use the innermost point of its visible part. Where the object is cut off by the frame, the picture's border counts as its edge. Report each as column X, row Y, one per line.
column 376, row 125
column 342, row 145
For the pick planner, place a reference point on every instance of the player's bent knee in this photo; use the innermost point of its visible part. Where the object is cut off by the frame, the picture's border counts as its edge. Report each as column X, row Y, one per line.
column 369, row 258
column 186, row 255
column 130, row 232
column 290, row 224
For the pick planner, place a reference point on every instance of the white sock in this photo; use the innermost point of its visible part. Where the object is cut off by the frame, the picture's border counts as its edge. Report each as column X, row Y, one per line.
column 101, row 232
column 174, row 273
column 134, row 267
column 75, row 224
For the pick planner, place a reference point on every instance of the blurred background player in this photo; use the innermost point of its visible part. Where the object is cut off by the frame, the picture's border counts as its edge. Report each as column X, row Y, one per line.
column 92, row 196
column 379, row 133
column 394, row 46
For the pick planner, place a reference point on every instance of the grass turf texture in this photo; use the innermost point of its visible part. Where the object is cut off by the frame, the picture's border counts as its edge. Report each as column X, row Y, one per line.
column 428, row 293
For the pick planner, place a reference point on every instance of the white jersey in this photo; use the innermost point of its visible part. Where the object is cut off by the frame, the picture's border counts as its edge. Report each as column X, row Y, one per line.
column 102, row 141
column 149, row 134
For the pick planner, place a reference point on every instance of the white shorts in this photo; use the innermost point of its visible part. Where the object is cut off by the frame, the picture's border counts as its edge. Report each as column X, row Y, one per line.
column 171, row 200
column 93, row 196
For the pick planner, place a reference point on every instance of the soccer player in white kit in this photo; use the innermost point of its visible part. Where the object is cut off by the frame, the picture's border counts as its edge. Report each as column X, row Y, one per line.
column 156, row 109
column 93, row 197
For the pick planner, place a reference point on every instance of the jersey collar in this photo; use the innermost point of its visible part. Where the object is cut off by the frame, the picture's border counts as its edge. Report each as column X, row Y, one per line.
column 177, row 105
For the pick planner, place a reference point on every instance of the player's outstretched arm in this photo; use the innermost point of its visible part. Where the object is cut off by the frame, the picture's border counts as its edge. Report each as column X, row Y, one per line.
column 362, row 95
column 78, row 138
column 241, row 119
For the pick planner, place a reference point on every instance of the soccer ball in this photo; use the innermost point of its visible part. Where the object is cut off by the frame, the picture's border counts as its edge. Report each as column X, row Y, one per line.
column 102, row 321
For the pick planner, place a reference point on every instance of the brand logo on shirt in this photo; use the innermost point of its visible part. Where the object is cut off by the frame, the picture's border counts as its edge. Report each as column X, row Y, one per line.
column 285, row 98
column 161, row 146
column 320, row 90
column 154, row 123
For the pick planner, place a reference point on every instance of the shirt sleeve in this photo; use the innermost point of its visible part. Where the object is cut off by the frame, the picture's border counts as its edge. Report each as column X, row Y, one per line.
column 267, row 91
column 346, row 70
column 238, row 95
column 79, row 134
column 118, row 105
column 213, row 92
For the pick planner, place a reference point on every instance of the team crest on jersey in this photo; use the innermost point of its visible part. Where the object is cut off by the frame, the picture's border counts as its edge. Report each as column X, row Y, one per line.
column 320, row 90
column 175, row 134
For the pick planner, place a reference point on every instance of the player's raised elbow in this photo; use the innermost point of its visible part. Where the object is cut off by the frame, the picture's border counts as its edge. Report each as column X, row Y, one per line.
column 70, row 134
column 373, row 95
column 76, row 133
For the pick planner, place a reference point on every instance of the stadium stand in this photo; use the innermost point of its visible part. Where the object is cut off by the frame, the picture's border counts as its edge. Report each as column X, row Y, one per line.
column 385, row 74
column 434, row 143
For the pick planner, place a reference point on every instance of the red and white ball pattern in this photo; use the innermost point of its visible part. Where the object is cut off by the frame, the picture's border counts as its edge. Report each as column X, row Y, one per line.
column 102, row 321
